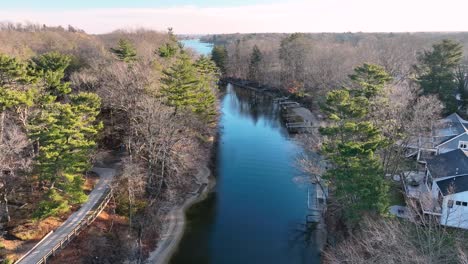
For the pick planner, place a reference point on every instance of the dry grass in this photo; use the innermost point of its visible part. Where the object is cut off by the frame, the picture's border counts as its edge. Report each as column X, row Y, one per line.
column 104, row 225
column 28, row 235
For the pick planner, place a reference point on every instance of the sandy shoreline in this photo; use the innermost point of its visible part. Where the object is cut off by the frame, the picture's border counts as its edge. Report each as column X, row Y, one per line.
column 176, row 226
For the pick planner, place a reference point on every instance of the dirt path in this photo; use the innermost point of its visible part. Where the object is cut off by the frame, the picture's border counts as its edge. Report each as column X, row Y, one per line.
column 175, row 228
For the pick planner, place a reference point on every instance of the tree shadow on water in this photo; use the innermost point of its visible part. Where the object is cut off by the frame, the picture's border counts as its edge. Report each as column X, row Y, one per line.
column 302, row 242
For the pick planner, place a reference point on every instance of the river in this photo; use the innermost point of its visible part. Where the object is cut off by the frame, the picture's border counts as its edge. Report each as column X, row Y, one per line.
column 257, row 212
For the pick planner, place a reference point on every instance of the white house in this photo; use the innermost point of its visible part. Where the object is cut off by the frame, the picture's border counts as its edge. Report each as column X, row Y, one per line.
column 454, row 194
column 447, row 182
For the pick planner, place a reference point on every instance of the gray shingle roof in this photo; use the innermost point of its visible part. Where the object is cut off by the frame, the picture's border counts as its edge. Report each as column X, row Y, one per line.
column 448, row 128
column 452, row 163
column 453, row 185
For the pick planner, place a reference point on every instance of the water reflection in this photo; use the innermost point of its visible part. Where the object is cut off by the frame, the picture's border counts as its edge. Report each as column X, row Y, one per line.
column 254, row 106
column 257, row 213
column 303, row 237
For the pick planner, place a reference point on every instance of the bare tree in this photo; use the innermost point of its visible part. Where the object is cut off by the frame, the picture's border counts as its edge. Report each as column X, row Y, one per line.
column 15, row 161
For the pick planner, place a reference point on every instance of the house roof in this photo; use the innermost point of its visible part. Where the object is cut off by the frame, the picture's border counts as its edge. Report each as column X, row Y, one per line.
column 451, row 163
column 451, row 125
column 453, row 185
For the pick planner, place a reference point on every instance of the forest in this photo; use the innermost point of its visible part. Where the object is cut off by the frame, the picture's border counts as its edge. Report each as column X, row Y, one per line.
column 374, row 93
column 316, row 63
column 140, row 101
column 70, row 100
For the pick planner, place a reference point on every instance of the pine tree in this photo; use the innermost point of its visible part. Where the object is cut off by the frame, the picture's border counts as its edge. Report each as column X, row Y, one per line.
column 180, row 83
column 436, row 71
column 167, row 50
column 66, row 136
column 15, row 92
column 352, row 143
column 125, row 51
column 219, row 56
column 12, row 71
column 187, row 86
column 369, row 79
column 209, row 77
column 51, row 67
column 254, row 66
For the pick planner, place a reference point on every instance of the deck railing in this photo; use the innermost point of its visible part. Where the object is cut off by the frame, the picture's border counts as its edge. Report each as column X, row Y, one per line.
column 86, row 221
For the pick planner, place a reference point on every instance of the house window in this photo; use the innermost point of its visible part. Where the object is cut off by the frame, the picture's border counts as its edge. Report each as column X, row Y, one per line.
column 450, row 203
column 463, row 144
column 458, row 203
column 464, row 203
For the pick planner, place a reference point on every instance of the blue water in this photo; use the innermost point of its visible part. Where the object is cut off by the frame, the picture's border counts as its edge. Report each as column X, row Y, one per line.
column 256, row 213
column 197, row 46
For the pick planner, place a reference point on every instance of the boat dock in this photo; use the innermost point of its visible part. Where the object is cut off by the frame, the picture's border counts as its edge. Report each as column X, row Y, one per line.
column 298, row 119
column 316, row 203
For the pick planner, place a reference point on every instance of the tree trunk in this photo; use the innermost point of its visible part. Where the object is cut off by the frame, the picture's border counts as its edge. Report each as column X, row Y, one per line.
column 7, row 212
column 2, row 125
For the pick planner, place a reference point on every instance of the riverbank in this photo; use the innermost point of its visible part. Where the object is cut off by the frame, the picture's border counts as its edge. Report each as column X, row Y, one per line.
column 175, row 223
column 176, row 219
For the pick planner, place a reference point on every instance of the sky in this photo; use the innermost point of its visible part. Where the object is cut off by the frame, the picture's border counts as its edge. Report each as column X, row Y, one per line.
column 243, row 16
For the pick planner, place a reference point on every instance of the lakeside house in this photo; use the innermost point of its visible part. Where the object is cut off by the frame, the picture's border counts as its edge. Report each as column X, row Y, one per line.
column 442, row 190
column 448, row 134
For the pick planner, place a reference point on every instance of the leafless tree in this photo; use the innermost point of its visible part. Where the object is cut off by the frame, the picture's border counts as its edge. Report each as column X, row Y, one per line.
column 15, row 162
column 419, row 239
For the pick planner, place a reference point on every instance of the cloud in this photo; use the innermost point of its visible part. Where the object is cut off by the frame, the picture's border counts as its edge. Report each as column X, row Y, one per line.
column 295, row 16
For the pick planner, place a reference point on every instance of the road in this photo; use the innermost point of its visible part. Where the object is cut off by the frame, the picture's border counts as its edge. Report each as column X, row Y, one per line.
column 45, row 246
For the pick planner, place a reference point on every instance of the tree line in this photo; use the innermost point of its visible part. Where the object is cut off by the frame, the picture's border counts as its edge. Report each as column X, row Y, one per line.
column 376, row 94
column 67, row 99
column 314, row 63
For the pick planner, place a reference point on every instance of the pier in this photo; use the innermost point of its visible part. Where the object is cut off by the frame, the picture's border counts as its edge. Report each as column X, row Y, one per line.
column 298, row 119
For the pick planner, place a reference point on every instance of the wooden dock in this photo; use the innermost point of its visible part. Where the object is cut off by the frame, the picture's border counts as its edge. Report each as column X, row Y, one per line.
column 297, row 118
column 316, row 203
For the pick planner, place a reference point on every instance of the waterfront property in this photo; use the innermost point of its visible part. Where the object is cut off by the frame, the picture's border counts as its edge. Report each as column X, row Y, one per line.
column 442, row 190
column 448, row 134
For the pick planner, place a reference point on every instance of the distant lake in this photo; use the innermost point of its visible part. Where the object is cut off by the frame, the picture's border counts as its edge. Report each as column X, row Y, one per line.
column 199, row 47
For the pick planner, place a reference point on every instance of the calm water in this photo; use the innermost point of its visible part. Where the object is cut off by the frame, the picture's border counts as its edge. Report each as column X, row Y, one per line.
column 257, row 212
column 196, row 45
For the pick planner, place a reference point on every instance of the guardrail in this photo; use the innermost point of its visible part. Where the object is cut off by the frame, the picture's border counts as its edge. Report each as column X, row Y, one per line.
column 86, row 221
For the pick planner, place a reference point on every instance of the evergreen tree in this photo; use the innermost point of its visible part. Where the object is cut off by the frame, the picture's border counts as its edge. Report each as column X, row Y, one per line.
column 172, row 36
column 207, row 67
column 187, row 86
column 13, row 78
column 436, row 71
column 15, row 93
column 352, row 142
column 12, row 71
column 51, row 67
column 219, row 56
column 125, row 51
column 254, row 66
column 167, row 50
column 66, row 136
column 180, row 83
column 209, row 77
column 369, row 79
